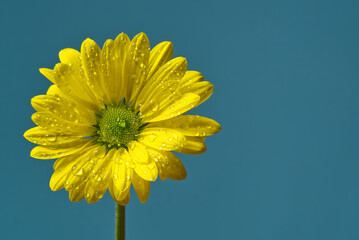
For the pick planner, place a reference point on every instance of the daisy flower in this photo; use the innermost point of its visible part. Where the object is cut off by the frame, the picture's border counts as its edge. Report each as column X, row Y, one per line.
column 114, row 116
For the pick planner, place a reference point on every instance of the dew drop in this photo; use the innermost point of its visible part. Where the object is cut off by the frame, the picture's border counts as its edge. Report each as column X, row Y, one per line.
column 50, row 137
column 154, row 107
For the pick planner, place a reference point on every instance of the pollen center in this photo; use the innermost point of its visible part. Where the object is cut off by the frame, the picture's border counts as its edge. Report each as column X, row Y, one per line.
column 117, row 126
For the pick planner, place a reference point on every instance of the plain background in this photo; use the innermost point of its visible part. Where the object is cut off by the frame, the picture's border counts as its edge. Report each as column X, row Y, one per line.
column 286, row 163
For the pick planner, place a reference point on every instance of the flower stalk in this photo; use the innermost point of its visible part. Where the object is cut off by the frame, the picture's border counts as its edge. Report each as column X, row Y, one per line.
column 120, row 222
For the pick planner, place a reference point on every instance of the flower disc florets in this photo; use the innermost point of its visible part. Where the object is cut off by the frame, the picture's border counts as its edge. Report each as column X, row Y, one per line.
column 117, row 126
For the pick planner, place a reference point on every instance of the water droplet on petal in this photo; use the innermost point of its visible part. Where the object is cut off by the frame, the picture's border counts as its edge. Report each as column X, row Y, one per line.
column 51, row 137
column 154, row 107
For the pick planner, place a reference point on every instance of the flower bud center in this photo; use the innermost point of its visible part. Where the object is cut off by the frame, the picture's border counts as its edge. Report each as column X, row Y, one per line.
column 117, row 126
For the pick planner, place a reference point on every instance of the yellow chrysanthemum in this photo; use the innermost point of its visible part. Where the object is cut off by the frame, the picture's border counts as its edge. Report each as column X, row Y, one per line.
column 114, row 115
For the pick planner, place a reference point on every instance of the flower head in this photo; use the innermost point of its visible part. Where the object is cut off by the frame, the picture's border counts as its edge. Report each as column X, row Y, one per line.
column 114, row 116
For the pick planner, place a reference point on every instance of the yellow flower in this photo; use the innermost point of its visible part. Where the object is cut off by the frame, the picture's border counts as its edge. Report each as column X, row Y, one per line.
column 114, row 115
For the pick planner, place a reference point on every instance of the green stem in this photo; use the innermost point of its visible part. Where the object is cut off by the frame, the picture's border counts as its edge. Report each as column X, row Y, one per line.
column 120, row 222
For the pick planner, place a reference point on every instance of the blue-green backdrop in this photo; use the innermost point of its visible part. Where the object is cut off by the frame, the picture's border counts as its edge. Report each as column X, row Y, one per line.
column 286, row 163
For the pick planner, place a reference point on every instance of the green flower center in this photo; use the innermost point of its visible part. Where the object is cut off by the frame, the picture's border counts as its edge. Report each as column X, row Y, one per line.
column 117, row 126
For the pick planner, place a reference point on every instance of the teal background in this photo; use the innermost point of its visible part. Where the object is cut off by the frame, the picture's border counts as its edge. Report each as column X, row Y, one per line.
column 285, row 165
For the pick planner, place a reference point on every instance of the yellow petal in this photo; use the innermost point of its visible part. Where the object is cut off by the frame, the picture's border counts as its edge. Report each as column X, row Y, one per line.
column 78, row 193
column 56, row 99
column 165, row 92
column 62, row 167
column 148, row 172
column 142, row 187
column 111, row 70
column 92, row 64
column 202, row 89
column 159, row 55
column 124, row 199
column 191, row 77
column 73, row 85
column 82, row 168
column 41, row 152
column 168, row 164
column 190, row 125
column 122, row 43
column 71, row 57
column 172, row 108
column 192, row 82
column 52, row 122
column 165, row 80
column 61, row 162
column 63, row 108
column 137, row 56
column 48, row 73
column 137, row 152
column 49, row 138
column 58, row 103
column 144, row 167
column 55, row 92
column 58, row 178
column 121, row 174
column 99, row 180
column 162, row 139
column 193, row 145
